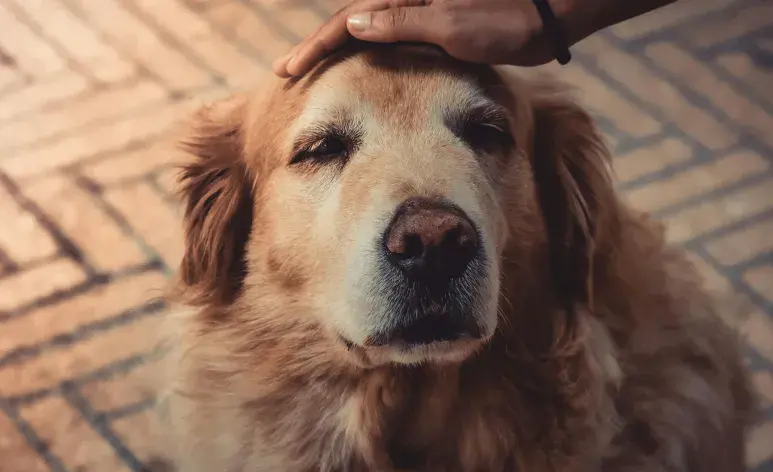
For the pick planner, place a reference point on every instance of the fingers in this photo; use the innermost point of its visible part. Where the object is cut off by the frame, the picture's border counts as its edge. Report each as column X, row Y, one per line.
column 394, row 24
column 330, row 36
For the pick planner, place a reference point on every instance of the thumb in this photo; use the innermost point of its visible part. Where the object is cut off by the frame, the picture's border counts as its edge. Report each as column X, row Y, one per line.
column 392, row 25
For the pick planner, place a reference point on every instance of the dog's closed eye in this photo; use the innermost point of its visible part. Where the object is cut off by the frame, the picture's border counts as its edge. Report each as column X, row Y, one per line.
column 484, row 128
column 326, row 144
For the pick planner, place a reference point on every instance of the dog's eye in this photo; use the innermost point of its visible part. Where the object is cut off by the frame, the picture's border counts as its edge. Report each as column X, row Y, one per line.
column 327, row 148
column 486, row 137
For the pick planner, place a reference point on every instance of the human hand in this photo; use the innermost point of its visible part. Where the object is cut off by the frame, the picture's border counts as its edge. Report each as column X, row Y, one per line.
column 483, row 31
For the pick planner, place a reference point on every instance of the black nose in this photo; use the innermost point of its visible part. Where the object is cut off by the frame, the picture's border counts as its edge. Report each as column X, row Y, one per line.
column 431, row 241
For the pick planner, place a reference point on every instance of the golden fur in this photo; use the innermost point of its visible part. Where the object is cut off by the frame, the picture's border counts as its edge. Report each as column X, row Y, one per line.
column 606, row 356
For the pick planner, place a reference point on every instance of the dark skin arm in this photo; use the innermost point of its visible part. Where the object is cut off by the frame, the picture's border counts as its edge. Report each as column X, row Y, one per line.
column 483, row 31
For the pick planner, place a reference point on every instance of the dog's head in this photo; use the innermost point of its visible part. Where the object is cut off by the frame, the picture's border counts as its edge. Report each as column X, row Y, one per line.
column 378, row 197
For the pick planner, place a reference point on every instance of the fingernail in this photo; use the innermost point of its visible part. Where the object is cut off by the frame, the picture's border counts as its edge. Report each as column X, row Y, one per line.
column 359, row 21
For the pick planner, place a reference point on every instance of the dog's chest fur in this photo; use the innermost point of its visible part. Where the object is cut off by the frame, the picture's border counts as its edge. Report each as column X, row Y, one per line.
column 440, row 419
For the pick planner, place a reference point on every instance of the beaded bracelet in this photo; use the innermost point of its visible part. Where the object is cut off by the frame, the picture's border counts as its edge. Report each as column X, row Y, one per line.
column 554, row 31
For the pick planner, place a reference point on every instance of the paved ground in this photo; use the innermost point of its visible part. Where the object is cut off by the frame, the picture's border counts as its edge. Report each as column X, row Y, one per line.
column 89, row 231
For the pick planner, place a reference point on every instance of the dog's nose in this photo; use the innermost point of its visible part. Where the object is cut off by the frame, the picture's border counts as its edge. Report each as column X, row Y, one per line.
column 431, row 241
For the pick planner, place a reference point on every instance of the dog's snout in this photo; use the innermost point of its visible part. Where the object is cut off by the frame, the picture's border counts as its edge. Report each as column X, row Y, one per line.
column 431, row 240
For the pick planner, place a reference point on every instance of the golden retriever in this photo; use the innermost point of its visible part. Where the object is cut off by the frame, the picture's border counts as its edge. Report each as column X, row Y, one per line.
column 402, row 262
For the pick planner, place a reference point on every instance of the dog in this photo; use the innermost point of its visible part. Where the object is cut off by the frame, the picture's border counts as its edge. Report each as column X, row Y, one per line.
column 404, row 262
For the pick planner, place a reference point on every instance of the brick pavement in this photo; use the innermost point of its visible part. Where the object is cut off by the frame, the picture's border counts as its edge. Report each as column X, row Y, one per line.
column 89, row 90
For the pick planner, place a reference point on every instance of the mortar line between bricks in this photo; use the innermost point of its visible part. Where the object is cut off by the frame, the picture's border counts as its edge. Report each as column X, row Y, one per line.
column 129, row 410
column 152, row 181
column 722, row 75
column 319, row 11
column 714, row 193
column 37, row 263
column 736, row 280
column 126, row 227
column 74, row 131
column 268, row 20
column 97, row 280
column 65, row 244
column 161, row 33
column 100, row 425
column 667, row 172
column 100, row 374
column 709, row 236
column 55, row 102
column 762, row 259
column 7, row 265
column 229, row 36
column 78, row 12
column 731, row 45
column 671, row 33
column 591, row 65
column 74, row 66
column 31, row 438
column 691, row 96
column 81, row 333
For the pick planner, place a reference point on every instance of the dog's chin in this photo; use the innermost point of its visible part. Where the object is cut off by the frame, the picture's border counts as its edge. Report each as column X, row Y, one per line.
column 439, row 353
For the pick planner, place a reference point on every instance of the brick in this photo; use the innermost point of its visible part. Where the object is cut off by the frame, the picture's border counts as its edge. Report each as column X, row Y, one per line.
column 47, row 371
column 21, row 236
column 135, row 386
column 239, row 21
column 721, row 28
column 94, row 140
column 712, row 280
column 167, row 181
column 639, row 80
column 761, row 280
column 763, row 384
column 757, row 329
column 143, row 434
column 96, row 304
column 10, row 78
column 31, row 53
column 89, row 110
column 652, row 158
column 39, row 94
column 198, row 36
column 153, row 219
column 743, row 244
column 759, row 445
column 29, row 285
column 601, row 99
column 742, row 67
column 132, row 164
column 16, row 453
column 143, row 44
column 698, row 180
column 77, row 39
column 78, row 215
column 666, row 17
column 299, row 21
column 734, row 104
column 70, row 437
column 712, row 215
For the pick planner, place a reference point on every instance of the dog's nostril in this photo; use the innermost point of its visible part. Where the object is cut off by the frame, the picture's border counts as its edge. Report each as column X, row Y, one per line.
column 431, row 240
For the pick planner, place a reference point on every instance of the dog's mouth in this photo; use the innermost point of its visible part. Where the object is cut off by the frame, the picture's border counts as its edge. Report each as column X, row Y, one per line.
column 431, row 338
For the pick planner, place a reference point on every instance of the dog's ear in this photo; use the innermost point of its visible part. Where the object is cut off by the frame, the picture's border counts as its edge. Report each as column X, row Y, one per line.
column 216, row 188
column 571, row 166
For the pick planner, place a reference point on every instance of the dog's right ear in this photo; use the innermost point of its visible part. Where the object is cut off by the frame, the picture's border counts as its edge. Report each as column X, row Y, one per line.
column 216, row 188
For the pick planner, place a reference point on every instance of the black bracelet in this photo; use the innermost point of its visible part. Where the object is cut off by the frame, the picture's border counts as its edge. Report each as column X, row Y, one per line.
column 554, row 31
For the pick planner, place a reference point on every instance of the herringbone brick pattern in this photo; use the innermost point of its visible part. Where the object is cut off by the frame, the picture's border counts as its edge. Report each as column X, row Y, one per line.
column 89, row 230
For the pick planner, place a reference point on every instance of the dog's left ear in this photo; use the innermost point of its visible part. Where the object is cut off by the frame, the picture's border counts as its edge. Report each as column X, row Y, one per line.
column 571, row 166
